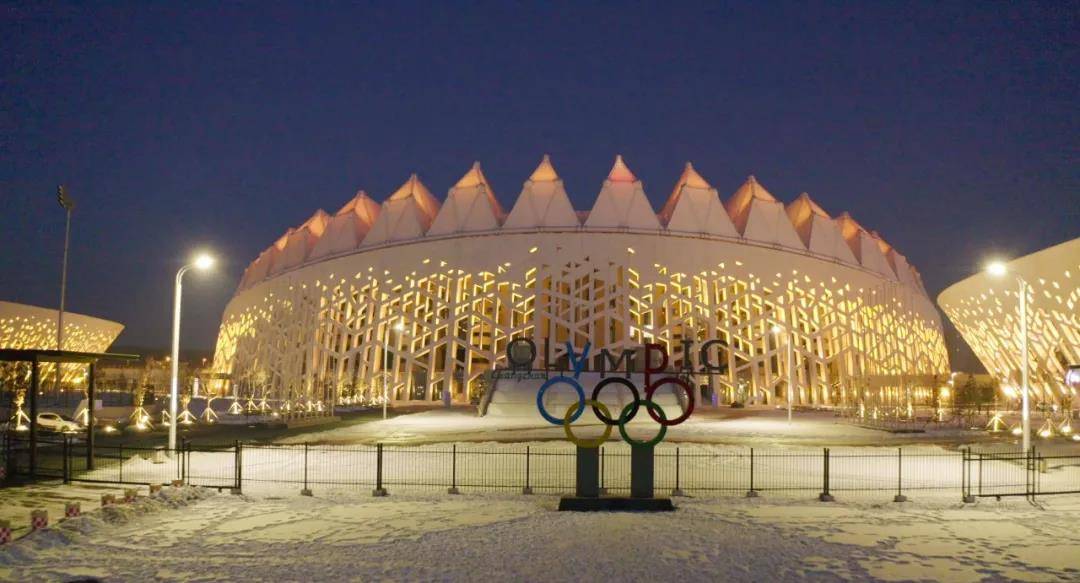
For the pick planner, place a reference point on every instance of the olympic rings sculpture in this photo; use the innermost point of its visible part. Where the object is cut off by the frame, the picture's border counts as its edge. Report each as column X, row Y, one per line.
column 601, row 411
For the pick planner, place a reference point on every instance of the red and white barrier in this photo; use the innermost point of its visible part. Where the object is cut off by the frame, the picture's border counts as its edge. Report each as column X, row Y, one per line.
column 154, row 489
column 107, row 500
column 130, row 494
column 72, row 509
column 39, row 519
column 5, row 531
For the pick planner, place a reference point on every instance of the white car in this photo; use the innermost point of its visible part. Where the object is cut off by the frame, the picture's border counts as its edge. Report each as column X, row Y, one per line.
column 54, row 422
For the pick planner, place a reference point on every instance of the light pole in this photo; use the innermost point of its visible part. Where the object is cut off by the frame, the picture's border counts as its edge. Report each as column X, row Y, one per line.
column 776, row 330
column 202, row 263
column 68, row 205
column 398, row 327
column 999, row 269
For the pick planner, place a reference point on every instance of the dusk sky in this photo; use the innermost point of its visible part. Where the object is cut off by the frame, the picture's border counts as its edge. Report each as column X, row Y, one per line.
column 952, row 130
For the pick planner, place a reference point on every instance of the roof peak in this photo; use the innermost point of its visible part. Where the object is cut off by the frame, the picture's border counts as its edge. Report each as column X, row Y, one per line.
column 620, row 172
column 474, row 177
column 691, row 178
column 545, row 172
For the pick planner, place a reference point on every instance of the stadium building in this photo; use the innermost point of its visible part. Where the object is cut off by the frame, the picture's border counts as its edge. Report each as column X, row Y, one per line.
column 985, row 310
column 423, row 297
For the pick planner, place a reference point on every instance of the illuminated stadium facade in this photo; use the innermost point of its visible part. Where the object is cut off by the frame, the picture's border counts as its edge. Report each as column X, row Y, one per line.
column 424, row 297
column 985, row 311
column 27, row 327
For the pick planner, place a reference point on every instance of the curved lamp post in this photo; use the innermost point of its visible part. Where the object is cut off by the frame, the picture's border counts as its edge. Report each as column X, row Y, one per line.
column 202, row 262
column 999, row 269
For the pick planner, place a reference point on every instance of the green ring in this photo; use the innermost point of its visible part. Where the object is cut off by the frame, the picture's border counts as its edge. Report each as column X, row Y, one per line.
column 650, row 406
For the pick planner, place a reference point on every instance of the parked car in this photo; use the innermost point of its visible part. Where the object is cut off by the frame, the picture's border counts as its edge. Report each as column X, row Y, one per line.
column 57, row 422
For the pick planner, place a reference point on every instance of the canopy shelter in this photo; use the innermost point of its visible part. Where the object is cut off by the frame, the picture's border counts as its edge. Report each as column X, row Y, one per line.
column 35, row 357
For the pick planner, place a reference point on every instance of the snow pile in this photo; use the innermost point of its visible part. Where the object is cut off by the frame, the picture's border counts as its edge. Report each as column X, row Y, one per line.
column 67, row 531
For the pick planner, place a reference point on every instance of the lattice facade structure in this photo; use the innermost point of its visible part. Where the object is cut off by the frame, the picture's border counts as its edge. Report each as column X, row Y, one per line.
column 25, row 327
column 475, row 278
column 985, row 310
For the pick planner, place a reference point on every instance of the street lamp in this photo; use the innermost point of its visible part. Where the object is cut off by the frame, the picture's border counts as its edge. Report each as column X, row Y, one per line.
column 999, row 269
column 776, row 330
column 202, row 262
column 398, row 327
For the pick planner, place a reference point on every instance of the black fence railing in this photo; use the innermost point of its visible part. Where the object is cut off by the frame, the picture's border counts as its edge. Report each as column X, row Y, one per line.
column 689, row 469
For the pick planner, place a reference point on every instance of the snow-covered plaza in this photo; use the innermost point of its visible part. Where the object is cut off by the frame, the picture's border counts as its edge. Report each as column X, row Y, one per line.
column 198, row 535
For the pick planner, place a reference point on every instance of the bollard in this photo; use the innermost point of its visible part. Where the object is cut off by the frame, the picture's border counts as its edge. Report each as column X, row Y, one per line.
column 3, row 473
column 107, row 500
column 72, row 509
column 130, row 494
column 5, row 531
column 177, row 483
column 155, row 488
column 39, row 519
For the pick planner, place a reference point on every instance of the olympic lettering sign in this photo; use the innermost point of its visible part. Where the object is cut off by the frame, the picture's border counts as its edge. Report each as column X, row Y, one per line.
column 574, row 411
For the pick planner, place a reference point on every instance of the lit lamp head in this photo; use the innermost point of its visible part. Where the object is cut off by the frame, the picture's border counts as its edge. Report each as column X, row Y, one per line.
column 776, row 329
column 204, row 261
column 399, row 326
column 997, row 268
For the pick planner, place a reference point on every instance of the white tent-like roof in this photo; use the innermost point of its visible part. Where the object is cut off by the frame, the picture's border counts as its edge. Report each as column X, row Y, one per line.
column 622, row 202
column 259, row 269
column 470, row 206
column 864, row 246
column 542, row 202
column 817, row 229
column 760, row 217
column 300, row 242
column 347, row 228
column 407, row 214
column 694, row 207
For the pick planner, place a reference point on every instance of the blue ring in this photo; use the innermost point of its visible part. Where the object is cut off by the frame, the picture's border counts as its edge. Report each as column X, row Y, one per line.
column 552, row 381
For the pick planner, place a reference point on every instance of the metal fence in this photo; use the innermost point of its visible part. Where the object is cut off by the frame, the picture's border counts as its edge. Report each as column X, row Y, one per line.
column 550, row 468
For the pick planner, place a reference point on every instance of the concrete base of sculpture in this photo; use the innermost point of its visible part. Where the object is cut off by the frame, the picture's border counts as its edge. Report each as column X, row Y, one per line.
column 615, row 504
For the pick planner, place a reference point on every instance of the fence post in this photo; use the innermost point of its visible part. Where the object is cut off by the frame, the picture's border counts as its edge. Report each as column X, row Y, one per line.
column 453, row 472
column 980, row 473
column 528, row 488
column 899, row 476
column 751, row 493
column 965, row 476
column 825, row 496
column 120, row 452
column 677, row 491
column 238, row 467
column 305, row 491
column 67, row 459
column 379, row 490
column 603, row 490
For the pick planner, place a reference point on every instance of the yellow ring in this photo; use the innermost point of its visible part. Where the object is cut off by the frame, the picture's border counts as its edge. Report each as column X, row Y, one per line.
column 586, row 443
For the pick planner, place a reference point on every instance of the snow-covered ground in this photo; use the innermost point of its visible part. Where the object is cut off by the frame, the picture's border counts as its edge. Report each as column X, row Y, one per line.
column 522, row 538
column 762, row 426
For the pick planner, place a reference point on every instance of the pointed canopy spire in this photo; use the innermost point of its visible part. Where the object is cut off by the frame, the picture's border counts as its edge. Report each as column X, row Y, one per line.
column 688, row 179
column 542, row 202
column 474, row 177
column 545, row 172
column 470, row 206
column 620, row 172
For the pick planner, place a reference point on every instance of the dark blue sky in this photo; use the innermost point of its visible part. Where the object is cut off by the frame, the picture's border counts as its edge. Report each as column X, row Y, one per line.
column 950, row 129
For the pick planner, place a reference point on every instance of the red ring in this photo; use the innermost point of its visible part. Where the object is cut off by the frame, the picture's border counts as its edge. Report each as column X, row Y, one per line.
column 689, row 399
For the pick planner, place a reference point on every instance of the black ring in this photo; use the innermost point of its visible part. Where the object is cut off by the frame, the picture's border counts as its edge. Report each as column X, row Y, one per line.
column 619, row 381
